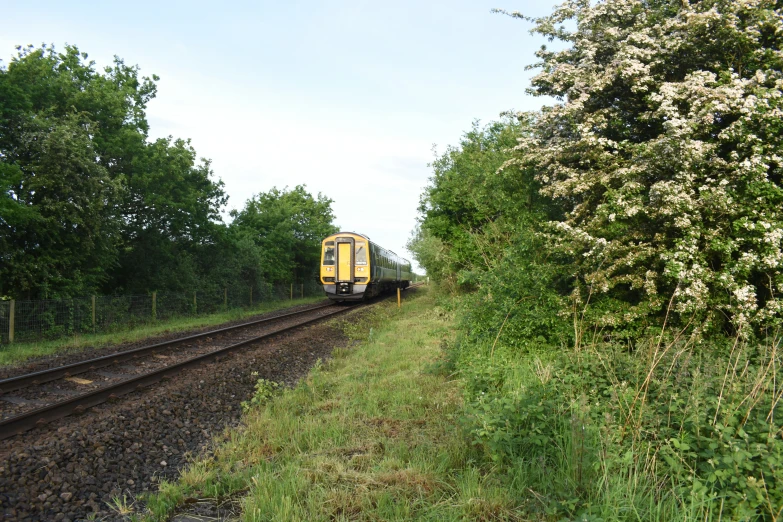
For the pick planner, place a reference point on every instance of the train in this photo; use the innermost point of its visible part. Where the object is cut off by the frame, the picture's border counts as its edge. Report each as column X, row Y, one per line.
column 353, row 268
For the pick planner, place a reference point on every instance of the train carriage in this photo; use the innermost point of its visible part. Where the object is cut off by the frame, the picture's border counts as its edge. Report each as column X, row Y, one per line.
column 354, row 268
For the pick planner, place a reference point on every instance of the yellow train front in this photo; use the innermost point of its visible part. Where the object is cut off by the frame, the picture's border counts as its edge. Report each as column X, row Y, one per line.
column 354, row 268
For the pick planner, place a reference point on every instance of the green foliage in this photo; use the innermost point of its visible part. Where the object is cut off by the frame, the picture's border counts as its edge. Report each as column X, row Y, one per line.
column 519, row 303
column 665, row 153
column 172, row 235
column 61, row 215
column 286, row 227
column 620, row 333
column 88, row 205
column 264, row 391
column 481, row 218
column 474, row 208
column 696, row 422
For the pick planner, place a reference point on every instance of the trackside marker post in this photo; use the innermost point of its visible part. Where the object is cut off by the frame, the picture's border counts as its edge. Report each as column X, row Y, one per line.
column 399, row 299
column 11, row 321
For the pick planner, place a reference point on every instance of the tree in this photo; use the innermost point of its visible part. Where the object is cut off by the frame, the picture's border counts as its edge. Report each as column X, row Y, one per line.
column 68, row 136
column 171, row 212
column 60, row 228
column 666, row 152
column 87, row 204
column 479, row 231
column 474, row 206
column 287, row 227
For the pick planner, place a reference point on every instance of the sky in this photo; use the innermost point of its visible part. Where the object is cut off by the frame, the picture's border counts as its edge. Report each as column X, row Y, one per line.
column 346, row 97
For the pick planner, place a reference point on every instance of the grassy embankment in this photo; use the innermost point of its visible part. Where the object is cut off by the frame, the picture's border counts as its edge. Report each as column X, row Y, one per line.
column 384, row 432
column 372, row 434
column 21, row 351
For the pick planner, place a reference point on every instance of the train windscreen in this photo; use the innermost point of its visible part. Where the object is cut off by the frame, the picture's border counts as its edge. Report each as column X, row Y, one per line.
column 361, row 253
column 329, row 253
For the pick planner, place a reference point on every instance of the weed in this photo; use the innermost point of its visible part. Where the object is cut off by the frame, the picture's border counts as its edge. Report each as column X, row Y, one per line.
column 264, row 391
column 121, row 505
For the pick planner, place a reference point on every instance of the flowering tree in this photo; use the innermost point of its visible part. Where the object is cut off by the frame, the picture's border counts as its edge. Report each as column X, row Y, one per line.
column 665, row 149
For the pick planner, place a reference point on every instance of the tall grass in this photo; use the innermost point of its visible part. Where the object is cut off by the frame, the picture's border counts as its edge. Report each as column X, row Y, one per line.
column 675, row 429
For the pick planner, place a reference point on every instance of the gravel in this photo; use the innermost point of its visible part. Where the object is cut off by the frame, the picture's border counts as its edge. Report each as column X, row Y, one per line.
column 34, row 396
column 72, row 469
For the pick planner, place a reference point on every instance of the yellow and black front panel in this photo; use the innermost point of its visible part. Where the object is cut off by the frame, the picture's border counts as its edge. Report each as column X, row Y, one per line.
column 345, row 265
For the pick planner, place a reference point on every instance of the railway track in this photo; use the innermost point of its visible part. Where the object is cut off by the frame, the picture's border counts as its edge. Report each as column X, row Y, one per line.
column 42, row 397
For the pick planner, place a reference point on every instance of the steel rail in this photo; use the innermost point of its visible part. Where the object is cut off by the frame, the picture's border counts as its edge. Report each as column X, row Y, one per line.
column 21, row 381
column 41, row 416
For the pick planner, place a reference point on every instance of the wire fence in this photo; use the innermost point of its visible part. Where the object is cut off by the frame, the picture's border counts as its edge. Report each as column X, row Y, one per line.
column 53, row 318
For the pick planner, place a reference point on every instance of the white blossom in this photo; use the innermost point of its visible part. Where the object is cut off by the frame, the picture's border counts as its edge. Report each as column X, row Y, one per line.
column 680, row 152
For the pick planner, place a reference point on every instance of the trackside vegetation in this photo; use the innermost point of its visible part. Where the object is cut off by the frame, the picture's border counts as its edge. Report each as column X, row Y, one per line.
column 19, row 352
column 615, row 266
column 371, row 434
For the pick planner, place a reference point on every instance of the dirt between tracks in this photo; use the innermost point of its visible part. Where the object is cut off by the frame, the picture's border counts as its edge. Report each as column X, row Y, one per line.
column 72, row 469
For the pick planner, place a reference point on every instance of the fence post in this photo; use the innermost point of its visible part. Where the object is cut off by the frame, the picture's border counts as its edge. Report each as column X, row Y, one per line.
column 11, row 321
column 93, row 314
column 195, row 306
column 292, row 291
column 225, row 298
column 251, row 295
column 302, row 290
column 154, row 305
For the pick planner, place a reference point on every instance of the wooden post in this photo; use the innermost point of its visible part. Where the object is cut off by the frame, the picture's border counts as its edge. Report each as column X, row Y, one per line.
column 154, row 305
column 251, row 295
column 93, row 313
column 292, row 291
column 399, row 299
column 195, row 306
column 11, row 321
column 302, row 290
column 225, row 298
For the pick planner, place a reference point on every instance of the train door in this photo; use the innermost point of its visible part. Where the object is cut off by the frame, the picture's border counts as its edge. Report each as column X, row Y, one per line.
column 344, row 260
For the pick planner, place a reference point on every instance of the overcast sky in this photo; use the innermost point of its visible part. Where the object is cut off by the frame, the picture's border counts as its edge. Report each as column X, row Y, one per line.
column 346, row 97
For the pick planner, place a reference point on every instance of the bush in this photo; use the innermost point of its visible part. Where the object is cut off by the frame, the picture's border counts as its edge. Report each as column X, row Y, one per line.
column 701, row 434
column 665, row 154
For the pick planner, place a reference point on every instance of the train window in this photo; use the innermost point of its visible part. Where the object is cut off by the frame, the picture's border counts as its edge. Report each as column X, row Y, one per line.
column 329, row 253
column 361, row 253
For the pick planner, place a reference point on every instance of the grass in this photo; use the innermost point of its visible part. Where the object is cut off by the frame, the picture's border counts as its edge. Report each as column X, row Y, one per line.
column 672, row 431
column 21, row 351
column 372, row 434
column 121, row 506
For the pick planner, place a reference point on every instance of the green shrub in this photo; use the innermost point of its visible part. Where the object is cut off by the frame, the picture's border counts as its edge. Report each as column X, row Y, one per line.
column 701, row 435
column 264, row 391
